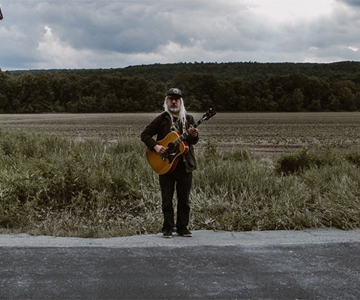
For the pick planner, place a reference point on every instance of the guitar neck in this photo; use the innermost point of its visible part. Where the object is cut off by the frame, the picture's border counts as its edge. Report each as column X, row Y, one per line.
column 199, row 122
column 209, row 114
column 185, row 134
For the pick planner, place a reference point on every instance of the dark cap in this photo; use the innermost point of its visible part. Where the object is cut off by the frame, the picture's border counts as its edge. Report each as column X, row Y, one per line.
column 174, row 91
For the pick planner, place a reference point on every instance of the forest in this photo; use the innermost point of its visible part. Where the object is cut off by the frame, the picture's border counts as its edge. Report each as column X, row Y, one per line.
column 230, row 87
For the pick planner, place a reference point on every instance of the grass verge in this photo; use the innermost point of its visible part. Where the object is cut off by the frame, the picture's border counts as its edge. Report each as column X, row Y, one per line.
column 50, row 185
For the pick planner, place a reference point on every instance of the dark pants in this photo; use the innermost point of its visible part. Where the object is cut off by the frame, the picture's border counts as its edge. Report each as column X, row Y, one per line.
column 180, row 180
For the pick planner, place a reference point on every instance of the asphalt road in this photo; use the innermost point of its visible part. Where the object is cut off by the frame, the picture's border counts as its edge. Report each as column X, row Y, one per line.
column 310, row 264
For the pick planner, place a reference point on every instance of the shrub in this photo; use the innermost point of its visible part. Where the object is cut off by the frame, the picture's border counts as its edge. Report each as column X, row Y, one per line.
column 237, row 155
column 305, row 159
column 353, row 157
column 210, row 151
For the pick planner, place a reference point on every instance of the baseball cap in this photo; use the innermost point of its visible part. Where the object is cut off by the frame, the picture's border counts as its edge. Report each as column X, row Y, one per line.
column 174, row 91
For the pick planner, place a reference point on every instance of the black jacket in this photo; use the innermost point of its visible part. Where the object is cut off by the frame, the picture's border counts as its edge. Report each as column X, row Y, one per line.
column 160, row 127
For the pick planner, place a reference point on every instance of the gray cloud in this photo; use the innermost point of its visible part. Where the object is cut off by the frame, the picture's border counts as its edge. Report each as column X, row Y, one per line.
column 351, row 2
column 109, row 33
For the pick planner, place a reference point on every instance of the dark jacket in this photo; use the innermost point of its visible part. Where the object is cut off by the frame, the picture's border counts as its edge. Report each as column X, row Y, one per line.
column 160, row 127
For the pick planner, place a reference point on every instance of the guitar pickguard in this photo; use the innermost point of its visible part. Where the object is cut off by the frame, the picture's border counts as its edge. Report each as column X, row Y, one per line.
column 172, row 155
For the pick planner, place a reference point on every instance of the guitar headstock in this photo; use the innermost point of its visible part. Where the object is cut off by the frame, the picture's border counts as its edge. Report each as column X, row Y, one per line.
column 209, row 114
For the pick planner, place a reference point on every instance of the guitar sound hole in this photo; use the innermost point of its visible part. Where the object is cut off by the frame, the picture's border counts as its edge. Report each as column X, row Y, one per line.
column 171, row 147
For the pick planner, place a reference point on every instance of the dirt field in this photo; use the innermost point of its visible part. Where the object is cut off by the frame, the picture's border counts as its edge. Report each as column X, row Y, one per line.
column 265, row 134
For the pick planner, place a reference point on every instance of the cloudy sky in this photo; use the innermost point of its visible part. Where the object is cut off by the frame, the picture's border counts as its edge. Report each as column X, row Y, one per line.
column 74, row 34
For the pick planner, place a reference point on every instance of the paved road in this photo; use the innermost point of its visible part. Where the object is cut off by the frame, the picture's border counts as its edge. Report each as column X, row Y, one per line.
column 310, row 264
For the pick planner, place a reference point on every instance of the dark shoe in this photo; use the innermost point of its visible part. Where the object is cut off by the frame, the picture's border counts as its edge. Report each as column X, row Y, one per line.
column 184, row 233
column 167, row 234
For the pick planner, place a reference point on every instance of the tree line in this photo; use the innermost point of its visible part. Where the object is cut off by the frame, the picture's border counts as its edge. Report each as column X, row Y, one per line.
column 225, row 87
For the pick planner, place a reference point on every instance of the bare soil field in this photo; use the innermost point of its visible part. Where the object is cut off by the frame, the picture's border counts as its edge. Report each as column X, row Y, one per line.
column 265, row 134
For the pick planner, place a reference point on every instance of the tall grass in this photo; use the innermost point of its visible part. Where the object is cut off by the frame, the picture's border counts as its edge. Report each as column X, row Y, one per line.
column 54, row 186
column 51, row 185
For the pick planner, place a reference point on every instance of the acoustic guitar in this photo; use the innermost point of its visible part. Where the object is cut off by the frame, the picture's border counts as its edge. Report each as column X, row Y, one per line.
column 176, row 147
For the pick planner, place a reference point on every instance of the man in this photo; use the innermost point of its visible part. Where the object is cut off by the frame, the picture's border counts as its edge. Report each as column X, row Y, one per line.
column 174, row 118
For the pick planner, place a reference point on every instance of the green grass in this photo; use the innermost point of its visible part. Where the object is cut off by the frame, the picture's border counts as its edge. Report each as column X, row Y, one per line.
column 52, row 185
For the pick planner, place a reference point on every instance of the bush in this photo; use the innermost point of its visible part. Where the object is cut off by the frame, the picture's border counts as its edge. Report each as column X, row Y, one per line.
column 237, row 155
column 305, row 159
column 353, row 157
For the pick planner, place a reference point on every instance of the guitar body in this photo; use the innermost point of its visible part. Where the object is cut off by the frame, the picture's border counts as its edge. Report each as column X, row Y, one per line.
column 167, row 163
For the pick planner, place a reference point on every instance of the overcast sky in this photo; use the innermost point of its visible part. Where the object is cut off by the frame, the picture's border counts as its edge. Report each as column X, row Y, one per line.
column 74, row 34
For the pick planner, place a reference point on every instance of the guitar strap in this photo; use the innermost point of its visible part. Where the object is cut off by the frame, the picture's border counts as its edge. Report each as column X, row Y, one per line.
column 183, row 126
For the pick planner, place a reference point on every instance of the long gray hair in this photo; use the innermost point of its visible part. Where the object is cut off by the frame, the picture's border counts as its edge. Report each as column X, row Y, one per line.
column 182, row 112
